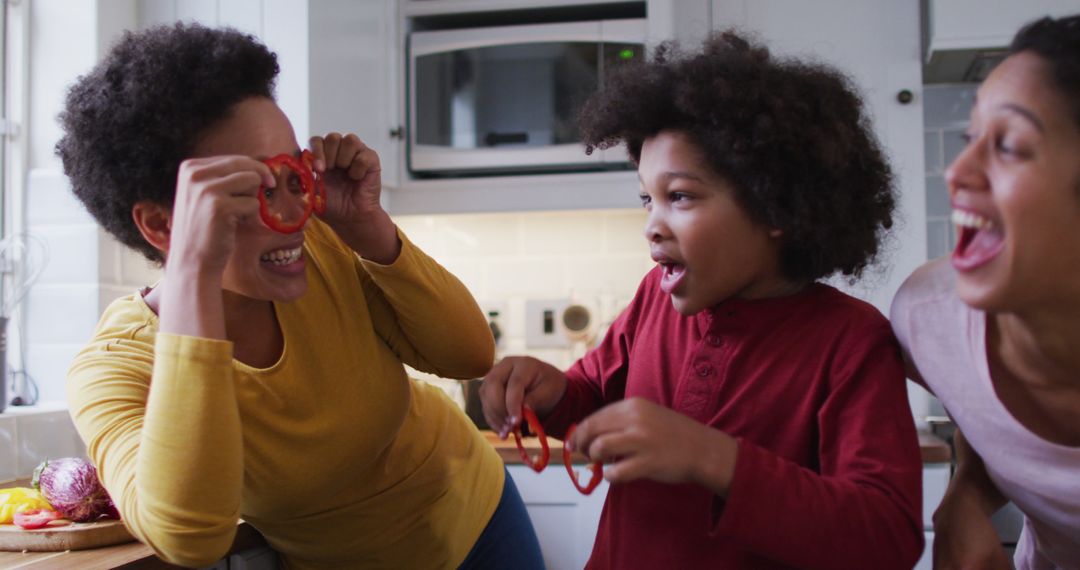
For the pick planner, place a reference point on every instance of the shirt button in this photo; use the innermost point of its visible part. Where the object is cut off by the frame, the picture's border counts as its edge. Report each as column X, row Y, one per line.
column 704, row 370
column 713, row 340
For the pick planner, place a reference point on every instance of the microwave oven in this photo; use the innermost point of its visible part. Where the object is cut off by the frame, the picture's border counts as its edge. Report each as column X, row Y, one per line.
column 502, row 100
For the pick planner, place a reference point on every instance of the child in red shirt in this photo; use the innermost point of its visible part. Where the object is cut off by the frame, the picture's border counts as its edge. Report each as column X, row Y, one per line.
column 747, row 416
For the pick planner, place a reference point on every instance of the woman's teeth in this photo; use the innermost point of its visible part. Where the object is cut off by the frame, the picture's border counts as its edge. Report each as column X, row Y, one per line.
column 966, row 219
column 282, row 256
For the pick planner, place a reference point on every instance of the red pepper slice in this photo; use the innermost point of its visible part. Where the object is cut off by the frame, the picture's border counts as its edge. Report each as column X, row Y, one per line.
column 596, row 468
column 35, row 518
column 534, row 425
column 320, row 185
column 307, row 183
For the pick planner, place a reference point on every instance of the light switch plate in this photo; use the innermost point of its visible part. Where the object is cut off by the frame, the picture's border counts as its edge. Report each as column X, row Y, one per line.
column 543, row 323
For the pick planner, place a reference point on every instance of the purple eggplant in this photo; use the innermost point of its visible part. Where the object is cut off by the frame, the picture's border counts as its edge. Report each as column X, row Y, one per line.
column 72, row 487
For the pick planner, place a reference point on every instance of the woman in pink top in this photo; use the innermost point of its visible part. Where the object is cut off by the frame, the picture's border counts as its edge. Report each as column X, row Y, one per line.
column 995, row 334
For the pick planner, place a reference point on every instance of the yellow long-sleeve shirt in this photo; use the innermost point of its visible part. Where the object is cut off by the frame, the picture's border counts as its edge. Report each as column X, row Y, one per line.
column 333, row 453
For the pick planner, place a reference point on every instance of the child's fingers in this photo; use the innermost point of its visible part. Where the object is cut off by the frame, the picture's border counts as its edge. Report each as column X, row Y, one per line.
column 625, row 470
column 493, row 398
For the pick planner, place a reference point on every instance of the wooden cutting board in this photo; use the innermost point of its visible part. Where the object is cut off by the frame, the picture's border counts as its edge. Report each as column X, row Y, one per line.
column 75, row 536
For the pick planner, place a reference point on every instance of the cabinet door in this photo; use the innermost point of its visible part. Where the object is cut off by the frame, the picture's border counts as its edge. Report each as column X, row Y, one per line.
column 564, row 519
column 876, row 42
column 356, row 57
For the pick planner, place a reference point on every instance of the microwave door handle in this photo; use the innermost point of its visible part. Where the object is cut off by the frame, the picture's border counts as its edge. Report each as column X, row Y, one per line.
column 496, row 139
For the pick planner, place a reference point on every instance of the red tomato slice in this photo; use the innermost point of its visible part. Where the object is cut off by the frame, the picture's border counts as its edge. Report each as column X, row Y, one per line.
column 35, row 518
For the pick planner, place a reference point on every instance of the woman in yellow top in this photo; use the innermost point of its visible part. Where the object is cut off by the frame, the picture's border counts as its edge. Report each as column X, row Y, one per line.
column 262, row 378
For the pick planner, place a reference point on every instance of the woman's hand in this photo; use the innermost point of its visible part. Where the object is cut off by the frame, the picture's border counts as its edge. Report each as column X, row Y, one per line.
column 964, row 537
column 353, row 178
column 518, row 380
column 213, row 196
column 639, row 439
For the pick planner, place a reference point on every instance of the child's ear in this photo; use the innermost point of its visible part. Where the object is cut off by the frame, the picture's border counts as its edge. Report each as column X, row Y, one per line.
column 154, row 222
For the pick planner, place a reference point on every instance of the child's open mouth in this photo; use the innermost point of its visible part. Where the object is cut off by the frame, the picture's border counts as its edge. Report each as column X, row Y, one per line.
column 672, row 276
column 979, row 240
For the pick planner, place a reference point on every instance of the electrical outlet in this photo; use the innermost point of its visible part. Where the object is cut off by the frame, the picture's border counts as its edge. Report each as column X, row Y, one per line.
column 495, row 312
column 543, row 323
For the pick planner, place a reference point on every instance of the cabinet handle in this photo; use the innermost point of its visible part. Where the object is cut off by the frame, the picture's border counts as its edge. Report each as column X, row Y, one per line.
column 397, row 133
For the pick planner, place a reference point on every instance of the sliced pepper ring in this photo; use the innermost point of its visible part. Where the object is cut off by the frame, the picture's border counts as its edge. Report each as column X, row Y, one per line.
column 320, row 184
column 307, row 184
column 534, row 424
column 35, row 518
column 596, row 468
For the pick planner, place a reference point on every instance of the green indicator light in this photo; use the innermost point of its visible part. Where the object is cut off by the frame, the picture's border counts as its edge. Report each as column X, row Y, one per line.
column 626, row 54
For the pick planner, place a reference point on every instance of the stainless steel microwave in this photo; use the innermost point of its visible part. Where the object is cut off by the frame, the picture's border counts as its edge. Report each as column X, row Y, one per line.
column 505, row 99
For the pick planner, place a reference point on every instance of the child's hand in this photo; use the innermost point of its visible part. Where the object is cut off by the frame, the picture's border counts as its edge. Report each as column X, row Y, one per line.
column 518, row 380
column 639, row 439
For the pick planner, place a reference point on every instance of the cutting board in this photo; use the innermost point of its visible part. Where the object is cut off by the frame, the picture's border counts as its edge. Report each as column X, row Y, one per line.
column 75, row 536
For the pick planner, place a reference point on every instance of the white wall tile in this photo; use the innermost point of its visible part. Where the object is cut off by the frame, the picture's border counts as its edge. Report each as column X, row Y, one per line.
column 480, row 235
column 135, row 270
column 471, row 272
column 575, row 233
column 611, row 275
column 8, row 450
column 424, row 232
column 72, row 253
column 48, row 364
column 533, row 278
column 624, row 232
column 49, row 200
column 61, row 313
column 110, row 293
column 45, row 436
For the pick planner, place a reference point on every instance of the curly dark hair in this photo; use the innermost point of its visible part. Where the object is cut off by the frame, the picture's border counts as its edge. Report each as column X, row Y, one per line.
column 1056, row 41
column 791, row 137
column 138, row 114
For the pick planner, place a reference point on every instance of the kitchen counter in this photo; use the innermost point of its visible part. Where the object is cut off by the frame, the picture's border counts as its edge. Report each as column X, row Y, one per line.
column 135, row 555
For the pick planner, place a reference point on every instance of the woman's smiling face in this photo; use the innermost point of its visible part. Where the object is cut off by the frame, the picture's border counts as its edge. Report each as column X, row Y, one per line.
column 708, row 246
column 265, row 264
column 1015, row 192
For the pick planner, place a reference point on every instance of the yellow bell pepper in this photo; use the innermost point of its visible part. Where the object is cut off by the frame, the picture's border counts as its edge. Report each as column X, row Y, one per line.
column 18, row 499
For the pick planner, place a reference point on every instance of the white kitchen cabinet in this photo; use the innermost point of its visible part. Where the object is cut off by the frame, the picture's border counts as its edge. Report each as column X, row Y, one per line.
column 935, row 481
column 357, row 54
column 877, row 43
column 564, row 519
column 281, row 24
column 976, row 24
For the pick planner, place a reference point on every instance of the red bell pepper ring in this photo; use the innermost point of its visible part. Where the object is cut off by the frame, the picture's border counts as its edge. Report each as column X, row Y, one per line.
column 320, row 185
column 307, row 184
column 596, row 468
column 534, row 425
column 35, row 518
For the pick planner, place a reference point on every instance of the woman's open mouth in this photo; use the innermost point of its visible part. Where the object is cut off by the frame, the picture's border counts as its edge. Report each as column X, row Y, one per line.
column 978, row 242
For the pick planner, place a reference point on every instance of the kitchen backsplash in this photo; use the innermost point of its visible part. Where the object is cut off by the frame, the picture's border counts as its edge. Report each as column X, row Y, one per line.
column 594, row 257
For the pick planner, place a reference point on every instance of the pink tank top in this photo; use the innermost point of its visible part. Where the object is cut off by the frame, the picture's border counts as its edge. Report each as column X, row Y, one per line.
column 944, row 344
